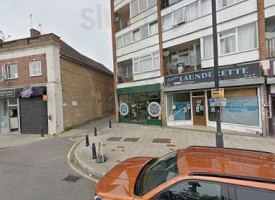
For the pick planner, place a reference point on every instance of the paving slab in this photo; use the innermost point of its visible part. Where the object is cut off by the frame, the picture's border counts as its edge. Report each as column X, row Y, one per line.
column 124, row 141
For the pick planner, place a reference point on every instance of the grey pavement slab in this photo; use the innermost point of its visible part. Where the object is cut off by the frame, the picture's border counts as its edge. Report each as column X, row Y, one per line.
column 117, row 145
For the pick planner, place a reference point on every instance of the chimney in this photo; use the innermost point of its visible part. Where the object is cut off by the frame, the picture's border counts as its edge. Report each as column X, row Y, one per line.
column 34, row 33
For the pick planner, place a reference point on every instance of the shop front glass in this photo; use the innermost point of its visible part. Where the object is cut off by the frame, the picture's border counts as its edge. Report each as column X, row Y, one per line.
column 242, row 107
column 178, row 106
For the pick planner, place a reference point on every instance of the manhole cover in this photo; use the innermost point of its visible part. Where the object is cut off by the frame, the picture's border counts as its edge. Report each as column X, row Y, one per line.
column 171, row 145
column 114, row 138
column 130, row 139
column 71, row 178
column 161, row 140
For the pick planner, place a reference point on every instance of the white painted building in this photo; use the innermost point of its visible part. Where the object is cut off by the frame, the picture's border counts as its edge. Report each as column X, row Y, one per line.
column 178, row 34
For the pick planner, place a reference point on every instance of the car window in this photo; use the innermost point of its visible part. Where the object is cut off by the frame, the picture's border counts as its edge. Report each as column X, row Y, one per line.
column 244, row 193
column 192, row 190
column 159, row 172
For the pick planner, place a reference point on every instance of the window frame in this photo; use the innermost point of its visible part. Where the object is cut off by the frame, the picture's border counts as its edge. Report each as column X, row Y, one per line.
column 4, row 71
column 139, row 9
column 137, row 61
column 122, row 42
column 235, row 34
column 31, row 69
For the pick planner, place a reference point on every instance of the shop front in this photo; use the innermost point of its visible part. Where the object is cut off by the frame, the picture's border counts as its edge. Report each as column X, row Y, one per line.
column 23, row 110
column 188, row 99
column 140, row 105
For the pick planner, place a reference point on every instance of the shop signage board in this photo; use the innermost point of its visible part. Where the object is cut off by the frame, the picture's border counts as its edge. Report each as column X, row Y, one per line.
column 217, row 93
column 217, row 102
column 225, row 73
column 7, row 93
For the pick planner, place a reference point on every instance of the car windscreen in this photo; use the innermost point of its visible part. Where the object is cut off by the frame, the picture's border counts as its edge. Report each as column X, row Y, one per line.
column 157, row 173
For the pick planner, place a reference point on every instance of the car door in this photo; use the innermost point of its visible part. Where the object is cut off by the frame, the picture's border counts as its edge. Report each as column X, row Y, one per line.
column 194, row 190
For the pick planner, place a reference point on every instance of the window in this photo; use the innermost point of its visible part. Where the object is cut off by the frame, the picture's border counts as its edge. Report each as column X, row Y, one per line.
column 247, row 37
column 191, row 12
column 193, row 189
column 153, row 28
column 127, row 38
column 152, row 3
column 156, row 60
column 134, row 8
column 142, row 5
column 146, row 63
column 144, row 32
column 228, row 41
column 208, row 47
column 10, row 71
column 35, row 68
column 206, row 7
column 119, row 42
column 178, row 106
column 127, row 71
column 178, row 16
column 136, row 35
column 224, row 3
column 253, row 194
column 167, row 22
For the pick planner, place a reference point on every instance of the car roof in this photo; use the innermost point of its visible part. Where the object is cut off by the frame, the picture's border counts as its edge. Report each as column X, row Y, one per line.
column 227, row 163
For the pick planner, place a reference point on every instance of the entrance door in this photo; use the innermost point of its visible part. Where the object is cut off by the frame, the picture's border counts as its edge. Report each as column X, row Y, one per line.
column 4, row 117
column 138, row 111
column 199, row 114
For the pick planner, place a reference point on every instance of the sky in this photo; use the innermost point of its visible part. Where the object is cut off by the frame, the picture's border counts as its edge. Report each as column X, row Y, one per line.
column 83, row 24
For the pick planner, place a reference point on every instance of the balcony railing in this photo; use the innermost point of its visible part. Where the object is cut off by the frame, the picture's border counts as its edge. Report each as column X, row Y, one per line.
column 184, row 64
column 270, row 47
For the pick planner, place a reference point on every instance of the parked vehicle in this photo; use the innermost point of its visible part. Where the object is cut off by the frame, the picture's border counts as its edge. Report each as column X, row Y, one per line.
column 194, row 173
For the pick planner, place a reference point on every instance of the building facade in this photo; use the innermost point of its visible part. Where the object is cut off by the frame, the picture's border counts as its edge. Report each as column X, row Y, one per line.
column 168, row 45
column 48, row 86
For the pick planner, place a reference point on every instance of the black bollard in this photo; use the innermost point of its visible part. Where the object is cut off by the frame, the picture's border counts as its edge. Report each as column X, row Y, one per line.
column 95, row 132
column 110, row 124
column 94, row 151
column 87, row 141
column 42, row 132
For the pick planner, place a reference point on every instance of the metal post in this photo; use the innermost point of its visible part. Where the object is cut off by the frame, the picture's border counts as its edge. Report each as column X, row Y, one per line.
column 87, row 141
column 95, row 132
column 219, row 135
column 110, row 124
column 42, row 132
column 94, row 151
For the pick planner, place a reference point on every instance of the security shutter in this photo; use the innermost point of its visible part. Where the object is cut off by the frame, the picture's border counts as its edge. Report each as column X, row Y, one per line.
column 33, row 115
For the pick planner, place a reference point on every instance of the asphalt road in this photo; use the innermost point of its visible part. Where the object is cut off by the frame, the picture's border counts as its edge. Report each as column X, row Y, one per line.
column 37, row 171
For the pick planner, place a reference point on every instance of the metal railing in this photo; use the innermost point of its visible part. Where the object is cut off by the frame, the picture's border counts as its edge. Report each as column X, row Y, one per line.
column 270, row 47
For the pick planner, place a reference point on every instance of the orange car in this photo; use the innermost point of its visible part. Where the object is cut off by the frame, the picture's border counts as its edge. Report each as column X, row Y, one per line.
column 195, row 173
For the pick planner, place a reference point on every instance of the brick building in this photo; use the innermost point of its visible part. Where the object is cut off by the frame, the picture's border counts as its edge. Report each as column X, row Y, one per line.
column 49, row 86
column 163, row 62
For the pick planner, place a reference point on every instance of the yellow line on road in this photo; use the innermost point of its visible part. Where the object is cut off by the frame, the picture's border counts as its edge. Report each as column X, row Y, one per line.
column 73, row 167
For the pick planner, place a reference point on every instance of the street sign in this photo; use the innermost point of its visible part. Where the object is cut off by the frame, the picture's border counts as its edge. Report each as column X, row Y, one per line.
column 217, row 102
column 217, row 93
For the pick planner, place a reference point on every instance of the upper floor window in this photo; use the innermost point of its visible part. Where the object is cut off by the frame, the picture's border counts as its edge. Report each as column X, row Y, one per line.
column 10, row 71
column 233, row 40
column 224, row 3
column 138, row 6
column 166, row 3
column 147, row 62
column 35, row 68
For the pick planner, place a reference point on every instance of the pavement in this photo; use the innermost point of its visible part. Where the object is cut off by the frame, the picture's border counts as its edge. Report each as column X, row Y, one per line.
column 124, row 141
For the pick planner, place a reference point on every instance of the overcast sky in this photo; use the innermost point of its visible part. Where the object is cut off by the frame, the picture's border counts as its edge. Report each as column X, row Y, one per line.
column 83, row 24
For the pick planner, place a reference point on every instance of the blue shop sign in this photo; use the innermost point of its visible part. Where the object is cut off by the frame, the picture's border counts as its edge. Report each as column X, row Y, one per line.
column 225, row 73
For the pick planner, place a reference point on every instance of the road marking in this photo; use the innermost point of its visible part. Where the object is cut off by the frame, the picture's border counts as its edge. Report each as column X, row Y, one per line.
column 73, row 167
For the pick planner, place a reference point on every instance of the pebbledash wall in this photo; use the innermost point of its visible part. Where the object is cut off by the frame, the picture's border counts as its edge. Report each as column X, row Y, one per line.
column 87, row 93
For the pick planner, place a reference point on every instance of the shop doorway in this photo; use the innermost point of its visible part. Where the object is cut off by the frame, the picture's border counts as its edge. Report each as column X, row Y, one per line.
column 4, row 116
column 199, row 114
column 138, row 111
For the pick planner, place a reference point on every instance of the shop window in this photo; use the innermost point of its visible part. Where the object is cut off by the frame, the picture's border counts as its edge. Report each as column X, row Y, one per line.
column 123, row 106
column 178, row 106
column 242, row 107
column 154, row 106
column 10, row 71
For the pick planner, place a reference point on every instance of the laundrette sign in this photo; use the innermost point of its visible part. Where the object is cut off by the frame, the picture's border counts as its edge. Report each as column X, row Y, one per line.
column 225, row 73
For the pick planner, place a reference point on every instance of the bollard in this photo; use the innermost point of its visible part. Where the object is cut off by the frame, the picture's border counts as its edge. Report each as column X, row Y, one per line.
column 94, row 151
column 42, row 133
column 95, row 132
column 87, row 141
column 110, row 124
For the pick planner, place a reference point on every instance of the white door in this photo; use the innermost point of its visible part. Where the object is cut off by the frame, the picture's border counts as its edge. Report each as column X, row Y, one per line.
column 4, row 117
